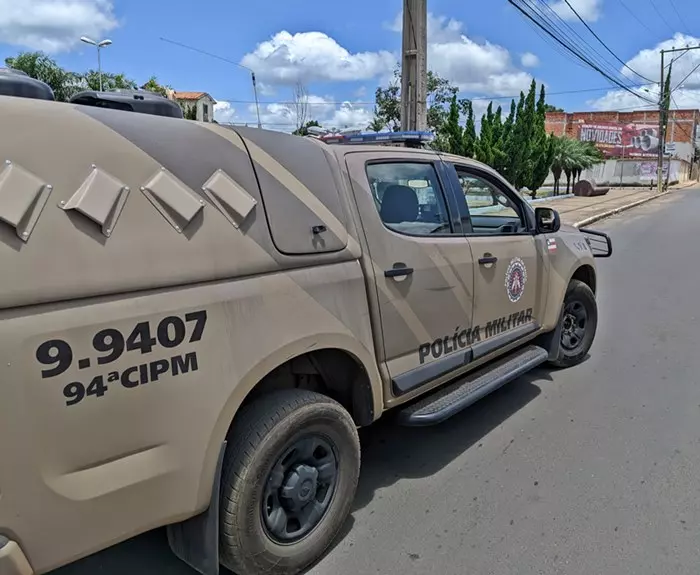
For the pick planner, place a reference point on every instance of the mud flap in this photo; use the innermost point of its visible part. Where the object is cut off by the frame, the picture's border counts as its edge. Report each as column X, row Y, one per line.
column 551, row 340
column 196, row 540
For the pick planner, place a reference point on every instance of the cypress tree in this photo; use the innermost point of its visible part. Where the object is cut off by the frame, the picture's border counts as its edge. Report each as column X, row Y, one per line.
column 503, row 146
column 453, row 131
column 526, row 127
column 469, row 138
column 484, row 149
column 542, row 147
column 514, row 150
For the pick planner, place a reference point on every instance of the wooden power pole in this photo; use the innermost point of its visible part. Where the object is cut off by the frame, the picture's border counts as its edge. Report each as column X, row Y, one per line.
column 414, row 70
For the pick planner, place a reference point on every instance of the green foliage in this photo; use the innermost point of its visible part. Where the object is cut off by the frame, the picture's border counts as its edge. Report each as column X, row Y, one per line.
column 542, row 148
column 486, row 144
column 91, row 80
column 440, row 92
column 571, row 157
column 189, row 112
column 153, row 86
column 41, row 67
column 517, row 146
column 304, row 130
column 469, row 137
column 377, row 124
column 452, row 131
column 65, row 84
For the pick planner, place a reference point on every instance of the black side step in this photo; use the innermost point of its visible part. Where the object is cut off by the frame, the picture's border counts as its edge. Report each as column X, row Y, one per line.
column 453, row 398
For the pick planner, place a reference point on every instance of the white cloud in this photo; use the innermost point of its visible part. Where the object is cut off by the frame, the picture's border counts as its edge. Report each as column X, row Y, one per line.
column 309, row 57
column 224, row 113
column 529, row 60
column 480, row 67
column 282, row 116
column 647, row 63
column 54, row 25
column 313, row 57
column 589, row 10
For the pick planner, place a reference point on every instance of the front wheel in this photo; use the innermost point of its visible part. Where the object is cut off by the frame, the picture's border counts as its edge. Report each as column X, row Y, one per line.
column 289, row 480
column 579, row 321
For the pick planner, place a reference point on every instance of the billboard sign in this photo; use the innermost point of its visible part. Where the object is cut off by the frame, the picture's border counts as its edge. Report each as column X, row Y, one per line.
column 635, row 140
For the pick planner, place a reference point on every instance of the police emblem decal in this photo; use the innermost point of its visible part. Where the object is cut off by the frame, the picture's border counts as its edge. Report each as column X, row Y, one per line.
column 516, row 276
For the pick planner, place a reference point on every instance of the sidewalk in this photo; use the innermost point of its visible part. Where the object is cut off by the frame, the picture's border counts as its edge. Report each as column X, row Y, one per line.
column 582, row 210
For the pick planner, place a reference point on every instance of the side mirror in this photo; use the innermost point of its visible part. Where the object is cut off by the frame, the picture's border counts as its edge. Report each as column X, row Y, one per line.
column 547, row 220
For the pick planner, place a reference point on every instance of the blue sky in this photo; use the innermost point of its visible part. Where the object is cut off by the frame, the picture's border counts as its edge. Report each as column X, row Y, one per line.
column 341, row 51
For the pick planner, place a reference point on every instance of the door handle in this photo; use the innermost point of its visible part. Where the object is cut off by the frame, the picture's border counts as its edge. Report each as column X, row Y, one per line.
column 398, row 272
column 487, row 259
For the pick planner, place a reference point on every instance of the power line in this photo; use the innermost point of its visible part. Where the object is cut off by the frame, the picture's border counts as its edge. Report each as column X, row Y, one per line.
column 653, row 4
column 684, row 79
column 573, row 49
column 634, row 15
column 476, row 98
column 603, row 43
column 559, row 25
column 673, row 5
column 559, row 31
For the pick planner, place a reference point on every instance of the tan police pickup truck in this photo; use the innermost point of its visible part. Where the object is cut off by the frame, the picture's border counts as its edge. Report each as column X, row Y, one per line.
column 195, row 320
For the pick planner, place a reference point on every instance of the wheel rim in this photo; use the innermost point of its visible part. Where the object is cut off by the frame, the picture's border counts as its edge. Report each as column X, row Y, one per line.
column 574, row 325
column 299, row 489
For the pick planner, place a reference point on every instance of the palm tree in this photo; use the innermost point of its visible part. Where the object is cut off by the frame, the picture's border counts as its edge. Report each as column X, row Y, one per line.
column 572, row 157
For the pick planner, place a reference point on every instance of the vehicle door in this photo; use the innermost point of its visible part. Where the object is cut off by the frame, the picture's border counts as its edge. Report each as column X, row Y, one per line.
column 510, row 267
column 420, row 263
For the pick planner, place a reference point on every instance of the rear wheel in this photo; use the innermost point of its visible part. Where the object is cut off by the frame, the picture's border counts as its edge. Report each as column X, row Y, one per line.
column 579, row 322
column 289, row 480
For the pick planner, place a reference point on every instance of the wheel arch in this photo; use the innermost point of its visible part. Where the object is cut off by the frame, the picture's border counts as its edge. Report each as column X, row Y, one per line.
column 586, row 274
column 363, row 395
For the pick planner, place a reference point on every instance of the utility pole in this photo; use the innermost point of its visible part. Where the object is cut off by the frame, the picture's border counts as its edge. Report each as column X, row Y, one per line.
column 662, row 135
column 664, row 102
column 414, row 67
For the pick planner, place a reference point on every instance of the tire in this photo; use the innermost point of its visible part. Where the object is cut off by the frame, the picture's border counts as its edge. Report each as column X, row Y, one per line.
column 299, row 430
column 573, row 349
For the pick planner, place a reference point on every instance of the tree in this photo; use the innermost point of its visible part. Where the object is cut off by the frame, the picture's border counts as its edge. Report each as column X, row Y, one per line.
column 304, row 130
column 526, row 131
column 153, row 86
column 469, row 137
column 387, row 108
column 542, row 148
column 41, row 67
column 501, row 160
column 571, row 157
column 452, row 132
column 439, row 96
column 91, row 80
column 189, row 112
column 377, row 124
column 485, row 146
column 300, row 99
column 550, row 108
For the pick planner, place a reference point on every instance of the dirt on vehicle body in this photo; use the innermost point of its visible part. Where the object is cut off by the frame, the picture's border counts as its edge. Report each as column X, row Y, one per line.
column 194, row 320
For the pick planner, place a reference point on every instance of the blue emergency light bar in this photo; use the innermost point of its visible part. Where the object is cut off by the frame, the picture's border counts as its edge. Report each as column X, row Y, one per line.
column 409, row 137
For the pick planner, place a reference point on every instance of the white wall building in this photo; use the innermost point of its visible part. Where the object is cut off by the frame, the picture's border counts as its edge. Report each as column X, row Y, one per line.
column 201, row 100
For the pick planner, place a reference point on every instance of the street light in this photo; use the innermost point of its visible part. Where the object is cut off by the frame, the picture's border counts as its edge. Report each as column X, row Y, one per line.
column 99, row 46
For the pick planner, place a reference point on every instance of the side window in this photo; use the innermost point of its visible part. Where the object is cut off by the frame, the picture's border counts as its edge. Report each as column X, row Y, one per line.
column 409, row 198
column 491, row 211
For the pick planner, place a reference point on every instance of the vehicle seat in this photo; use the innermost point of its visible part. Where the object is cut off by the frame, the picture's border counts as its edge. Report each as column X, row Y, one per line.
column 399, row 204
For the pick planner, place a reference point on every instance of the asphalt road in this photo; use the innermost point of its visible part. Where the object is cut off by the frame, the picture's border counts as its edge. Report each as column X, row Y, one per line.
column 592, row 470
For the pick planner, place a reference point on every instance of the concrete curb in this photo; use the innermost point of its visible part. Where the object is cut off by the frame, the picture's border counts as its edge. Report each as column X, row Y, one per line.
column 619, row 210
column 626, row 207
